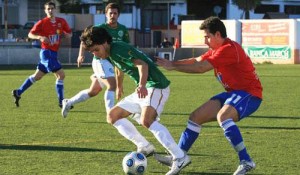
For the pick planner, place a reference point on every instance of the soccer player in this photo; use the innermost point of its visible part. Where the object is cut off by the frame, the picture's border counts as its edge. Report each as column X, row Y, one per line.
column 104, row 74
column 242, row 96
column 148, row 99
column 50, row 30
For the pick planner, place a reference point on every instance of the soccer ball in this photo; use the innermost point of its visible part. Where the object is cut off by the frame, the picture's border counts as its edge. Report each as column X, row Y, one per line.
column 134, row 163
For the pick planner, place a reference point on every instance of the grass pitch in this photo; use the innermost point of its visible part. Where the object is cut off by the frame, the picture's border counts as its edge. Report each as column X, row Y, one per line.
column 35, row 139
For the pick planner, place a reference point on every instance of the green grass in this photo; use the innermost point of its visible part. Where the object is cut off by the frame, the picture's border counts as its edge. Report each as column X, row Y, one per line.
column 35, row 139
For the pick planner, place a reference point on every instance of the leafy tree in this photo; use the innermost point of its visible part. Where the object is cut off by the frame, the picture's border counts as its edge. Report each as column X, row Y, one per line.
column 246, row 6
column 70, row 6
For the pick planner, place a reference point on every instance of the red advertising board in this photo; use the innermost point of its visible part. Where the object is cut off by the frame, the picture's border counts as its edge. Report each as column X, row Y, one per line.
column 266, row 32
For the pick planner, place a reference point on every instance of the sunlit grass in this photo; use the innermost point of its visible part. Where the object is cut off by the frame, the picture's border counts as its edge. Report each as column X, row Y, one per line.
column 35, row 139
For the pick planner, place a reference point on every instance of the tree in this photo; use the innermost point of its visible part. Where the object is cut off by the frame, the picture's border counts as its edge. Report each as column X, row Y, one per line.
column 246, row 6
column 70, row 6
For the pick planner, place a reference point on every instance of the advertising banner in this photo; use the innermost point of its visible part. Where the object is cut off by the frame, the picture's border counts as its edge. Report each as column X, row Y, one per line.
column 273, row 53
column 192, row 36
column 265, row 40
column 265, row 32
column 270, row 40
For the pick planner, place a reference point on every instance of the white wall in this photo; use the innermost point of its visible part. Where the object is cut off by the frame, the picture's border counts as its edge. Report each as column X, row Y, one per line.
column 23, row 9
column 297, row 36
column 234, row 13
column 127, row 20
column 69, row 18
column 136, row 18
column 99, row 19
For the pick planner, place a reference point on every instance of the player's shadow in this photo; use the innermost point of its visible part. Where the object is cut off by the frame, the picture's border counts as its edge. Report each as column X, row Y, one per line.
column 275, row 117
column 195, row 173
column 249, row 127
column 186, row 172
column 180, row 114
column 205, row 173
column 55, row 148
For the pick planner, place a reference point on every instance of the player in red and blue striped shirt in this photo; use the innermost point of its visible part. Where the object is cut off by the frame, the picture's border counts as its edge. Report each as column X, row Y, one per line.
column 242, row 96
column 49, row 31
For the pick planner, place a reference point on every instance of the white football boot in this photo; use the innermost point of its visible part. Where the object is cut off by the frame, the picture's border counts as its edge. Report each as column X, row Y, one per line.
column 147, row 150
column 165, row 160
column 179, row 164
column 244, row 167
column 65, row 108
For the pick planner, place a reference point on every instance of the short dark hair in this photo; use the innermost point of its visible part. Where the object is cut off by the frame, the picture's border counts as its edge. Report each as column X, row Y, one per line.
column 112, row 6
column 214, row 24
column 49, row 3
column 94, row 36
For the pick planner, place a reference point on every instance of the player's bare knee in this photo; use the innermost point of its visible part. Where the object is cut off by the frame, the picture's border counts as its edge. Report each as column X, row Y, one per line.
column 37, row 78
column 193, row 117
column 110, row 119
column 93, row 92
column 111, row 87
column 60, row 75
column 146, row 123
column 112, row 116
column 221, row 117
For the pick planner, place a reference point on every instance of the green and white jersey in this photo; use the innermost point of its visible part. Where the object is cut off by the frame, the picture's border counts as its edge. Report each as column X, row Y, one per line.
column 122, row 54
column 119, row 33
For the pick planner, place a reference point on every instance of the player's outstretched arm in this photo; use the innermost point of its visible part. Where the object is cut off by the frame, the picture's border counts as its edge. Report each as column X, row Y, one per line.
column 191, row 65
column 168, row 65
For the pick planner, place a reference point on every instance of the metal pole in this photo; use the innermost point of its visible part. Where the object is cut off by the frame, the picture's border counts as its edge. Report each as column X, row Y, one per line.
column 5, row 19
column 168, row 20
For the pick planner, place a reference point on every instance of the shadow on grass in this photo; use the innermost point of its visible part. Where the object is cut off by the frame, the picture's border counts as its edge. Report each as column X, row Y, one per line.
column 248, row 127
column 204, row 173
column 71, row 149
column 214, row 173
column 275, row 117
column 186, row 172
column 252, row 116
column 56, row 148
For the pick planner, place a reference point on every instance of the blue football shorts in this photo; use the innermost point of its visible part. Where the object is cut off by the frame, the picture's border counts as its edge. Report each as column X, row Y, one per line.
column 242, row 101
column 48, row 61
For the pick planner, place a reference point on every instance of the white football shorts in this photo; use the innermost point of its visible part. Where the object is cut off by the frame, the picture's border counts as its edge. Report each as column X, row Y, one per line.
column 103, row 69
column 155, row 98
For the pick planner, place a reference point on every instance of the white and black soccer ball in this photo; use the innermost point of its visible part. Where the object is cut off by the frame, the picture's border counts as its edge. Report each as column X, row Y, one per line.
column 134, row 163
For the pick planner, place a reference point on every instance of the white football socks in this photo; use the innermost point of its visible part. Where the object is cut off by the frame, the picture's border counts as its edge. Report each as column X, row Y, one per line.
column 165, row 138
column 80, row 97
column 129, row 131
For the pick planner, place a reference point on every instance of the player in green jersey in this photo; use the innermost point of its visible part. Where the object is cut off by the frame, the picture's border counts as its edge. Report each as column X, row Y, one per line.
column 104, row 74
column 148, row 99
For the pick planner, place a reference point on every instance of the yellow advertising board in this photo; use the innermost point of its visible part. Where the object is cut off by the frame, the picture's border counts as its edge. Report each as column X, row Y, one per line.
column 193, row 37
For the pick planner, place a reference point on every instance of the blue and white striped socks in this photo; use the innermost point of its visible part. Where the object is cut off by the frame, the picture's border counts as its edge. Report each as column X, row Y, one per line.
column 233, row 135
